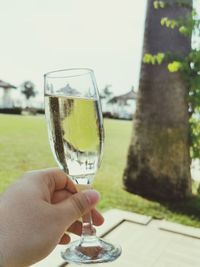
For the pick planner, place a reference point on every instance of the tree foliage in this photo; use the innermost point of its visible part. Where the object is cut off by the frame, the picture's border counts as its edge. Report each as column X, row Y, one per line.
column 28, row 89
column 106, row 92
column 188, row 65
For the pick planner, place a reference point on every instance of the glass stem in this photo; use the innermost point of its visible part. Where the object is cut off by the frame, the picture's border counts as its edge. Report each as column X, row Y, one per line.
column 88, row 230
column 88, row 236
column 89, row 245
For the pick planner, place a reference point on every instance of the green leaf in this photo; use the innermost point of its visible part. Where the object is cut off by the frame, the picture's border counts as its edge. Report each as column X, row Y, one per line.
column 174, row 66
column 147, row 58
column 160, row 57
column 163, row 21
column 158, row 4
column 162, row 4
column 183, row 30
column 155, row 4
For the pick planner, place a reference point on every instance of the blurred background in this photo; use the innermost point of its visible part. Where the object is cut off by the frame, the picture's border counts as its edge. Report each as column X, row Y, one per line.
column 41, row 36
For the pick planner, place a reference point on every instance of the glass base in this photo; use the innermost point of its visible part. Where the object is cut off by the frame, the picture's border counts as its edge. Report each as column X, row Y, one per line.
column 98, row 252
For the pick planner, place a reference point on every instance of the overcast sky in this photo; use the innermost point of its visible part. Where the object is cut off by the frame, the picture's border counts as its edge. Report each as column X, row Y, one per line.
column 38, row 36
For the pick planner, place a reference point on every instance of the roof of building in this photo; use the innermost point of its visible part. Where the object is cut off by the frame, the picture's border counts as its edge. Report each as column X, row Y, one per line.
column 6, row 85
column 123, row 98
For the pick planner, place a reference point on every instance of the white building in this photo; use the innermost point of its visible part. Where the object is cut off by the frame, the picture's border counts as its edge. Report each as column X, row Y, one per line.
column 123, row 106
column 9, row 95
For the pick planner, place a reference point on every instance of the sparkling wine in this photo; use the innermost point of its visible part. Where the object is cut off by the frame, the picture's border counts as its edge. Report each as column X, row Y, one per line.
column 76, row 135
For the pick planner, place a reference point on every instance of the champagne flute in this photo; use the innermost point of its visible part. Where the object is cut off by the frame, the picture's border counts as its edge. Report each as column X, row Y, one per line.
column 76, row 135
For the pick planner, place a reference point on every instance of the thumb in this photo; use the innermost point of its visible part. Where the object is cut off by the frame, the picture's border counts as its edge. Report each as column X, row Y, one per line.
column 78, row 204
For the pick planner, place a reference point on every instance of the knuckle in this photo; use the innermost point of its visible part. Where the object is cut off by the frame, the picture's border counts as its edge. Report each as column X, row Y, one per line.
column 79, row 203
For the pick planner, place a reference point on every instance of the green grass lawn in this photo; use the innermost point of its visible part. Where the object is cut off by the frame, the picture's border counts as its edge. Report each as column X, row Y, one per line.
column 24, row 146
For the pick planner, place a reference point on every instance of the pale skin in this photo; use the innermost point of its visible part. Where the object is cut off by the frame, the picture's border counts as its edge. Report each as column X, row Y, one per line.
column 35, row 213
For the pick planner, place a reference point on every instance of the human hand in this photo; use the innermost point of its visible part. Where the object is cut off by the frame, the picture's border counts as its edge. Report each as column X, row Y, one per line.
column 36, row 211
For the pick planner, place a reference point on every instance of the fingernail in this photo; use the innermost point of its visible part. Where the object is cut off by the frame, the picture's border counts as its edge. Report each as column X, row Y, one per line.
column 92, row 195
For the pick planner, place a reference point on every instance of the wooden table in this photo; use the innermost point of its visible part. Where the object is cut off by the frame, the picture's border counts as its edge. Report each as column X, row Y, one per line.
column 145, row 242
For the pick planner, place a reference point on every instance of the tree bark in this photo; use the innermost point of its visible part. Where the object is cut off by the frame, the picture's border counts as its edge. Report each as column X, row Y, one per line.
column 158, row 163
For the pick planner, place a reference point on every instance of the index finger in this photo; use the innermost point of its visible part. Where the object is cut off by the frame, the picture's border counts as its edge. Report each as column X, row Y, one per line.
column 57, row 180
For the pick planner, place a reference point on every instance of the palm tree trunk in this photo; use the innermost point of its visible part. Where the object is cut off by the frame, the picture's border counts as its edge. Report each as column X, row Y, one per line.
column 158, row 163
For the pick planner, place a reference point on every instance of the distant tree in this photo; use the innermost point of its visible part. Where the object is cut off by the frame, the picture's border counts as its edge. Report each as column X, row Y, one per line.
column 106, row 92
column 28, row 89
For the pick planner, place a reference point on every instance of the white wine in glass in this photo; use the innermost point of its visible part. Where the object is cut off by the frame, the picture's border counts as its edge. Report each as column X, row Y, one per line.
column 76, row 135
